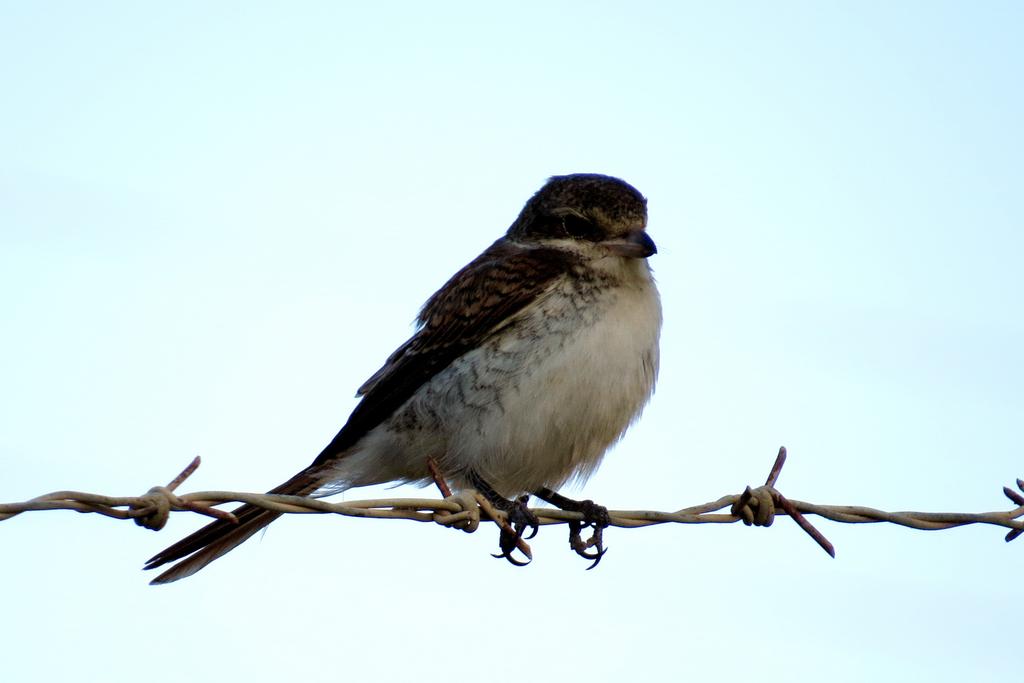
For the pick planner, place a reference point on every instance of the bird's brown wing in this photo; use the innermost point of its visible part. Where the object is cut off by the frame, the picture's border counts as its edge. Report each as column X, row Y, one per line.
column 474, row 304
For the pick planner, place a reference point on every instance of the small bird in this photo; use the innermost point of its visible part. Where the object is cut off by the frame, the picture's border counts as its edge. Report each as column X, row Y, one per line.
column 525, row 367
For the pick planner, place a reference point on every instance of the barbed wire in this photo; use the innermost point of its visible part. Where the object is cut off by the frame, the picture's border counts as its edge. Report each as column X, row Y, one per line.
column 465, row 510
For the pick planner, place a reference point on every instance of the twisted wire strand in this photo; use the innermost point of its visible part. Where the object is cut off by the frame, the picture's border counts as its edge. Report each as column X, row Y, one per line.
column 151, row 510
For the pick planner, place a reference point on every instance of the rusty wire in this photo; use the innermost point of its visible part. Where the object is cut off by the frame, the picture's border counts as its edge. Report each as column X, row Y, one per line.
column 753, row 507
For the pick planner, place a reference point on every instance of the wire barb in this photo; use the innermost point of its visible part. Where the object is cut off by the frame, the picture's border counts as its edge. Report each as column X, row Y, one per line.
column 757, row 507
column 791, row 510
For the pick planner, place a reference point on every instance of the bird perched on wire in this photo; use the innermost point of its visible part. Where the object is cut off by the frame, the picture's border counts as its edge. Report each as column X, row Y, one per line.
column 527, row 365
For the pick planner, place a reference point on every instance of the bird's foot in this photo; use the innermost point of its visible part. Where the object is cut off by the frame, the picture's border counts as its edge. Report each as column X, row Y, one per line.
column 595, row 517
column 518, row 518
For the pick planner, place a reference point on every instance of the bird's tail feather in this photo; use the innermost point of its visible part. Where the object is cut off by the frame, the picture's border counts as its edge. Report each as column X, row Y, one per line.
column 220, row 537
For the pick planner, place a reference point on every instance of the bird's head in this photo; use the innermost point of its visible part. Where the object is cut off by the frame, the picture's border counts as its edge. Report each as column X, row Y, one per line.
column 590, row 214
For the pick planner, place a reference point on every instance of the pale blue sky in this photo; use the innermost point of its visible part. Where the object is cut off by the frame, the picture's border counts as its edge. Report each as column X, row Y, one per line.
column 216, row 220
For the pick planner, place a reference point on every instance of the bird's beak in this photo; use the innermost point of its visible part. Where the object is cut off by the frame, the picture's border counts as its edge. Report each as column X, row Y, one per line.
column 636, row 244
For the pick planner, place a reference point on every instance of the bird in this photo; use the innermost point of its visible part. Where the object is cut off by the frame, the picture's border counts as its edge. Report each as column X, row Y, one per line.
column 525, row 367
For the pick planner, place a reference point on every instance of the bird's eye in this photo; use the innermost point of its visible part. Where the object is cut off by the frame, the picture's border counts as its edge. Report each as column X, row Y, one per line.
column 579, row 227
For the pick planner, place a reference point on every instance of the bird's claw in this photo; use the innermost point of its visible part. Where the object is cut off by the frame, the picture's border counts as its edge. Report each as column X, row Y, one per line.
column 519, row 519
column 595, row 517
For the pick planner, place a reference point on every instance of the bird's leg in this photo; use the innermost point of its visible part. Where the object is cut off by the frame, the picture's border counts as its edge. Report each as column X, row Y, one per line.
column 594, row 516
column 519, row 518
column 439, row 480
